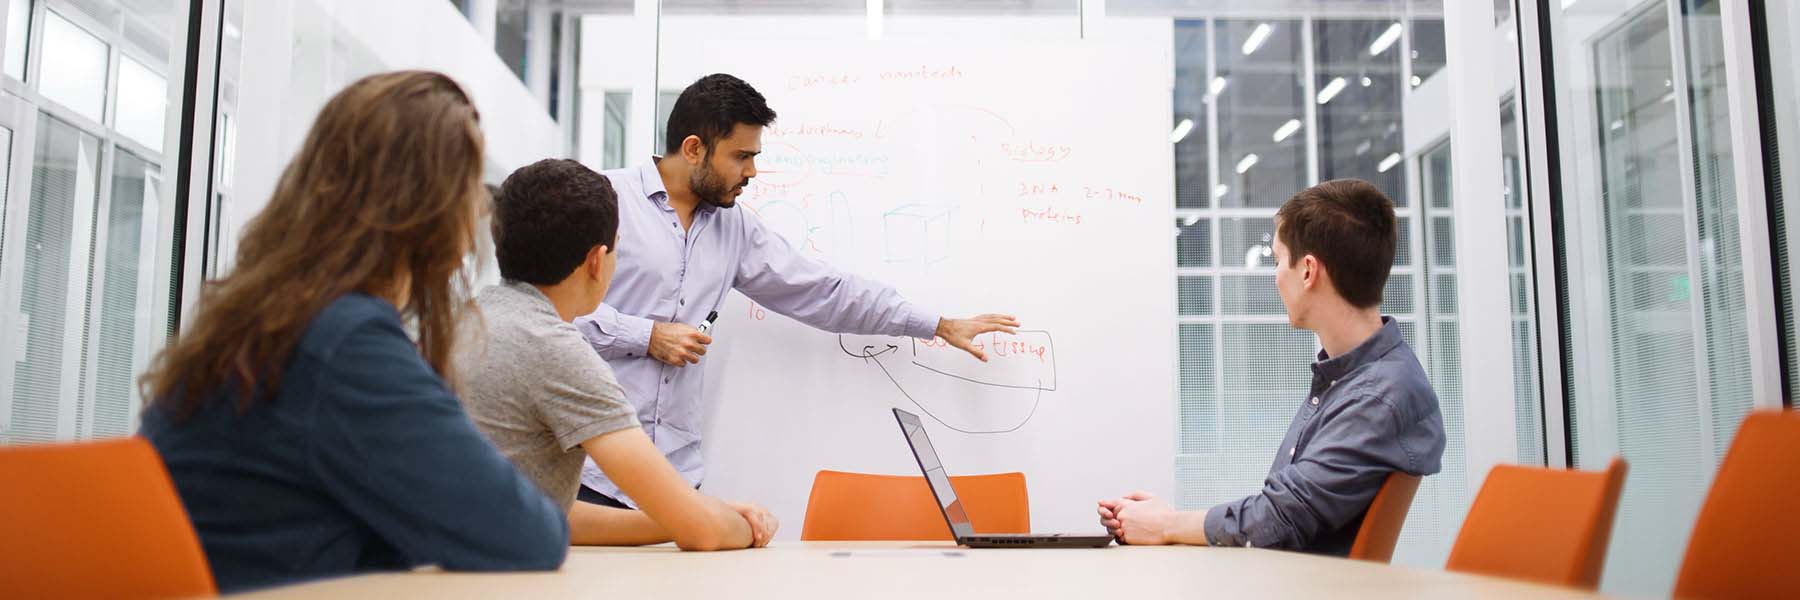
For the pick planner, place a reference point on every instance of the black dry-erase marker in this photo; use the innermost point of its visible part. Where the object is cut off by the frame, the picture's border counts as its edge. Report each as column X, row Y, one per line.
column 706, row 326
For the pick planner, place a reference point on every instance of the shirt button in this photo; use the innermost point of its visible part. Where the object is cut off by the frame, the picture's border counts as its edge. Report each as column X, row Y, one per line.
column 682, row 301
column 665, row 380
column 1315, row 401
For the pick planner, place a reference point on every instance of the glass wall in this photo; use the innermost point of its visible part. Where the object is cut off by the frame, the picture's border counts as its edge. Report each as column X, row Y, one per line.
column 1264, row 107
column 1660, row 360
column 85, row 255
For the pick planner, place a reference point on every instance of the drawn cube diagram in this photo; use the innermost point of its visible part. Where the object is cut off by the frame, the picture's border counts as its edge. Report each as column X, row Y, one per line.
column 917, row 233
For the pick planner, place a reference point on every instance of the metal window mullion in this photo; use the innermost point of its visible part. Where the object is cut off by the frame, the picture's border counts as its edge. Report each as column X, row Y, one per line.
column 1760, row 293
column 1217, row 226
column 1212, row 129
column 22, row 119
column 79, row 267
column 144, row 316
column 1684, row 135
column 34, row 45
column 193, row 159
column 89, row 352
column 1415, row 175
column 1309, row 107
column 1533, row 113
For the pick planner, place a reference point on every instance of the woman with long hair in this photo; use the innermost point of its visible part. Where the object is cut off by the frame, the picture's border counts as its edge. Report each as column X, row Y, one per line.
column 308, row 434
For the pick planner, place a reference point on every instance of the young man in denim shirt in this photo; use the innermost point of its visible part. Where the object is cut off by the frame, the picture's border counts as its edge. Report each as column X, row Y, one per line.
column 1370, row 411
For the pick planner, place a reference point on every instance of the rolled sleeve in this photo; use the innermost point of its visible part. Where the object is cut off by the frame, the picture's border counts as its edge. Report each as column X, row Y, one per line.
column 1221, row 528
column 614, row 334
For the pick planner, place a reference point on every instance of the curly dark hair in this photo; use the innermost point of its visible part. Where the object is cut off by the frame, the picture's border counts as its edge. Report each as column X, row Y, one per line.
column 711, row 108
column 548, row 215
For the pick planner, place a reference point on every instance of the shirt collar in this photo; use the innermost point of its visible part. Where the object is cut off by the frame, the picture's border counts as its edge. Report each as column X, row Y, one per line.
column 1377, row 346
column 651, row 181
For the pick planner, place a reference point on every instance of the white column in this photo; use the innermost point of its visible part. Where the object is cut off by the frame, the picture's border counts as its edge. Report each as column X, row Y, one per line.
column 1092, row 13
column 639, row 142
column 1483, row 297
column 538, row 50
column 485, row 15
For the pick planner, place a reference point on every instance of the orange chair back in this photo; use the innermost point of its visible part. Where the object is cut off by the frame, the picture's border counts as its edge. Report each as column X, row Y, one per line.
column 1544, row 525
column 1387, row 514
column 1748, row 532
column 95, row 520
column 859, row 506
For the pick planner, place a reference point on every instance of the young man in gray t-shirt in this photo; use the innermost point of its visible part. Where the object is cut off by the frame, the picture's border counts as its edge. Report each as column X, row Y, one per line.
column 536, row 389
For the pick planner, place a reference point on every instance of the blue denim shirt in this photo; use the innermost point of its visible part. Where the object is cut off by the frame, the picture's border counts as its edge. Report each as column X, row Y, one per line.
column 1371, row 412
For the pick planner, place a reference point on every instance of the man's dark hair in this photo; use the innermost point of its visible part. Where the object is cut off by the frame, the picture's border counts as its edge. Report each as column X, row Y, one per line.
column 1348, row 224
column 548, row 215
column 711, row 108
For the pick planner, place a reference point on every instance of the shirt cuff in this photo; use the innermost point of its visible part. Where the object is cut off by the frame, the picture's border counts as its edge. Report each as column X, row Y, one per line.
column 635, row 337
column 922, row 325
column 624, row 335
column 1216, row 527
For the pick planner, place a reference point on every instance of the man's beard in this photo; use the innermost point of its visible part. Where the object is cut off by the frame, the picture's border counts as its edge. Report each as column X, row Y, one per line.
column 710, row 187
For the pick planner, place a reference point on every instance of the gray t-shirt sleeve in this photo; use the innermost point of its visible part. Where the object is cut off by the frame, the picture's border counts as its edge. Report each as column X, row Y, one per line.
column 578, row 396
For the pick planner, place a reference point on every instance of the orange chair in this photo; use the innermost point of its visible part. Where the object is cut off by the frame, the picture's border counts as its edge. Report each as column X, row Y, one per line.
column 1387, row 514
column 1538, row 524
column 1748, row 532
column 858, row 506
column 95, row 520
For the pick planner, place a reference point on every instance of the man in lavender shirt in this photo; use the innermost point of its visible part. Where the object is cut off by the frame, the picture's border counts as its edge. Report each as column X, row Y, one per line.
column 688, row 248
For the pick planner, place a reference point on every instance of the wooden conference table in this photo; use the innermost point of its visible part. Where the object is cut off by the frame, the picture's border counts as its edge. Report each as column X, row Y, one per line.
column 930, row 570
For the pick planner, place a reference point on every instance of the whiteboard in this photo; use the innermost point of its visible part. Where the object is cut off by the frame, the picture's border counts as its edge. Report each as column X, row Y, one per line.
column 1030, row 179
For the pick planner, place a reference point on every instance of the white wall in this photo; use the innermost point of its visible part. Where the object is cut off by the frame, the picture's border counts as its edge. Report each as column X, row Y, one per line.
column 298, row 53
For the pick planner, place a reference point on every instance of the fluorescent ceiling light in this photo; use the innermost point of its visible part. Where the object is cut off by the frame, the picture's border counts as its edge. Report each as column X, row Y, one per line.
column 1181, row 131
column 1257, row 37
column 1220, row 190
column 1331, row 90
column 1247, row 162
column 1218, row 85
column 1386, row 39
column 1287, row 129
column 1191, row 220
column 1569, row 3
column 1388, row 163
column 1366, row 81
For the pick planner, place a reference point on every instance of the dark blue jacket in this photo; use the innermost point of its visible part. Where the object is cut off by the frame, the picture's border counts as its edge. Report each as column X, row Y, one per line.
column 364, row 461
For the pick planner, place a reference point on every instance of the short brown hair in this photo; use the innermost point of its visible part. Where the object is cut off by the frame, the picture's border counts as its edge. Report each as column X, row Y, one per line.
column 1348, row 224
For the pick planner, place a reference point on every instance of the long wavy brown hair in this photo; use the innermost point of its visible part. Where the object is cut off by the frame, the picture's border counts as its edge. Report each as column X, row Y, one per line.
column 382, row 197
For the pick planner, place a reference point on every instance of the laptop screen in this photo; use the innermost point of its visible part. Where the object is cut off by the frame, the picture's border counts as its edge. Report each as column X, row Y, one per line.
column 934, row 473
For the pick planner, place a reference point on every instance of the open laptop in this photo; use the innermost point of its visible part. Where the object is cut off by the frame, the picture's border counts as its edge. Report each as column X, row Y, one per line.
column 953, row 508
